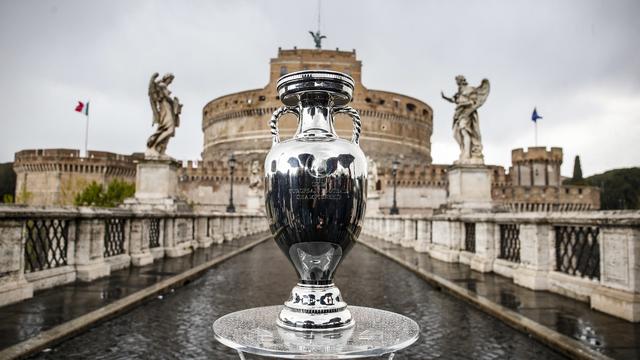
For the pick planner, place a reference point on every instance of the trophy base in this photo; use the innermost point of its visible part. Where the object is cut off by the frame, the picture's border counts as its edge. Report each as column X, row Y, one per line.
column 315, row 308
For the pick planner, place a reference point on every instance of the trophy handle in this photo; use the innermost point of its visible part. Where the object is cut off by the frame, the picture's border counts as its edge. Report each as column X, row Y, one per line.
column 357, row 123
column 273, row 123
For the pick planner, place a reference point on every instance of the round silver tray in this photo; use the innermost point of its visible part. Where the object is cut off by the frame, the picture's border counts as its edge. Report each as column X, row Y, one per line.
column 376, row 333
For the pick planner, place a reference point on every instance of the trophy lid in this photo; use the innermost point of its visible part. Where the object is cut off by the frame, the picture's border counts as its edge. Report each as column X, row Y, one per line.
column 338, row 84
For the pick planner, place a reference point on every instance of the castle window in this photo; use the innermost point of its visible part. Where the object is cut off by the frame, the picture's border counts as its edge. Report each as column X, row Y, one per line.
column 396, row 103
column 368, row 99
column 381, row 101
column 283, row 70
column 425, row 112
column 411, row 107
column 580, row 191
column 262, row 98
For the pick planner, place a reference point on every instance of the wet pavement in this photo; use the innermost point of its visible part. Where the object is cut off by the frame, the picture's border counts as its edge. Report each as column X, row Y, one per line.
column 52, row 307
column 178, row 326
column 604, row 333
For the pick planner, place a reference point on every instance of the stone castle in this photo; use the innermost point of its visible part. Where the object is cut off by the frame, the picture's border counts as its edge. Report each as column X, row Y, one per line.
column 393, row 125
column 55, row 176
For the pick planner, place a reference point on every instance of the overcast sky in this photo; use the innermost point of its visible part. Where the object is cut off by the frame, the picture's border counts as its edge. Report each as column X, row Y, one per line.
column 577, row 61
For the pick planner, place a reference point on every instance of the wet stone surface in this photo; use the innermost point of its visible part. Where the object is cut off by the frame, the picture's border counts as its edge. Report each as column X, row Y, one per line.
column 52, row 307
column 603, row 333
column 178, row 326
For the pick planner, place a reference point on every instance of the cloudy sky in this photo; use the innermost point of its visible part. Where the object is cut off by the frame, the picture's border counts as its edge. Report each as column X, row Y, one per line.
column 577, row 61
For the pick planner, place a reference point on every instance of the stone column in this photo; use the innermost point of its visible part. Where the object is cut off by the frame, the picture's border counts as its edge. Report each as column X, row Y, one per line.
column 13, row 285
column 242, row 226
column 227, row 223
column 446, row 238
column 139, row 242
column 236, row 227
column 217, row 230
column 409, row 232
column 482, row 261
column 89, row 256
column 397, row 230
column 179, row 243
column 535, row 262
column 202, row 235
column 389, row 229
column 423, row 241
column 619, row 294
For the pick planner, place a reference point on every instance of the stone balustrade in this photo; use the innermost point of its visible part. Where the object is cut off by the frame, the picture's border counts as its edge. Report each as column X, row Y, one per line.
column 44, row 247
column 590, row 256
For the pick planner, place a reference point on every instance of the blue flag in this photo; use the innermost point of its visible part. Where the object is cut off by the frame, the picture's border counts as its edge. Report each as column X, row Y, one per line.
column 535, row 116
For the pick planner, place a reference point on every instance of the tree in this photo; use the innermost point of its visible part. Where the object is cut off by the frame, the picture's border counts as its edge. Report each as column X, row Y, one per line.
column 96, row 195
column 577, row 170
column 7, row 181
column 620, row 188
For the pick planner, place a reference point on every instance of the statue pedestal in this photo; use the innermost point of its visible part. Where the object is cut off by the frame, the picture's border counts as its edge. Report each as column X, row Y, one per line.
column 469, row 187
column 157, row 186
column 254, row 202
column 373, row 204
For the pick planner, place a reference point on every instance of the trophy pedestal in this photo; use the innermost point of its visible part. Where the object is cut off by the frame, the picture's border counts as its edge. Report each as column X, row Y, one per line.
column 315, row 308
column 469, row 187
column 375, row 333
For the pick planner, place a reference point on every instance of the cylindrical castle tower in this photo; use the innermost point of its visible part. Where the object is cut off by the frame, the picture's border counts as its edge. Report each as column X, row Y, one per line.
column 391, row 123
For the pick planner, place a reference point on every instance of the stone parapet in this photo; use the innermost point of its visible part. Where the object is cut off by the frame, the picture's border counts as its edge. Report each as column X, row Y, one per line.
column 590, row 256
column 46, row 247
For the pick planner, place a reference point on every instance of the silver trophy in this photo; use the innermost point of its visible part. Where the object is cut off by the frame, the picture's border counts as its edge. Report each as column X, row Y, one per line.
column 315, row 194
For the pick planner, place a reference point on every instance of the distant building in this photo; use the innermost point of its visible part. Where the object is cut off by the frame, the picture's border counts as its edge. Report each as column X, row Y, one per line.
column 393, row 126
column 534, row 183
column 55, row 176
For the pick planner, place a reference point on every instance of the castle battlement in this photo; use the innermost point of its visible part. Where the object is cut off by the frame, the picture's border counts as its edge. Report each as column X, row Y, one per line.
column 536, row 154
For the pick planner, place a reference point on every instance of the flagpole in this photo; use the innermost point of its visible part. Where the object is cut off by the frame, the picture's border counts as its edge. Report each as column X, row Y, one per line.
column 86, row 137
column 535, row 126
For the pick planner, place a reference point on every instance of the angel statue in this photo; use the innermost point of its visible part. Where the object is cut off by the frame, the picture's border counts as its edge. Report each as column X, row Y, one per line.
column 317, row 38
column 466, row 126
column 255, row 179
column 166, row 114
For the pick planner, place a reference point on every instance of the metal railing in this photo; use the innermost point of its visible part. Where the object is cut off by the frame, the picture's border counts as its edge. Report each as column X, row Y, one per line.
column 46, row 242
column 510, row 242
column 578, row 251
column 154, row 233
column 470, row 237
column 114, row 237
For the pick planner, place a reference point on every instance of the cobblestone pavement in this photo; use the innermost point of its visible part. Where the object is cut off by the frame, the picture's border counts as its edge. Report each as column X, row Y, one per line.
column 52, row 307
column 604, row 333
column 178, row 325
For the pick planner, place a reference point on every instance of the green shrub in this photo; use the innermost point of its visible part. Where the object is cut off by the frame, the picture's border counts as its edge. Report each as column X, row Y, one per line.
column 96, row 195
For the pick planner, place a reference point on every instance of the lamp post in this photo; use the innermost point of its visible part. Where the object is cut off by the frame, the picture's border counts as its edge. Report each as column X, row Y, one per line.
column 394, row 171
column 232, row 165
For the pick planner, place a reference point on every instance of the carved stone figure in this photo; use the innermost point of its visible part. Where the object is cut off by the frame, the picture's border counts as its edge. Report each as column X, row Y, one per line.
column 255, row 179
column 166, row 114
column 466, row 126
column 317, row 38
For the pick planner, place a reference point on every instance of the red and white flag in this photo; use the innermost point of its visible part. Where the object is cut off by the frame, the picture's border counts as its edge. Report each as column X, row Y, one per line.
column 83, row 108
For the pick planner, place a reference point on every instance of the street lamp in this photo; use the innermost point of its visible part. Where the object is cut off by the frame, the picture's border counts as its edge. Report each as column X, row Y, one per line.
column 394, row 172
column 232, row 165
